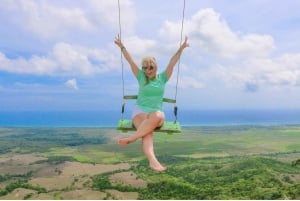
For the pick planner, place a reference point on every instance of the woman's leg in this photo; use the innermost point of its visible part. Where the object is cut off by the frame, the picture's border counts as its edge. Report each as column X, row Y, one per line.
column 146, row 126
column 147, row 145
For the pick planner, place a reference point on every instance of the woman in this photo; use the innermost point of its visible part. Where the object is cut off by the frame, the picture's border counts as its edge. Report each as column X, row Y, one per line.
column 147, row 114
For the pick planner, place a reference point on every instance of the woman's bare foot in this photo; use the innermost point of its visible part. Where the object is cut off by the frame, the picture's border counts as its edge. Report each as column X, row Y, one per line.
column 158, row 168
column 124, row 141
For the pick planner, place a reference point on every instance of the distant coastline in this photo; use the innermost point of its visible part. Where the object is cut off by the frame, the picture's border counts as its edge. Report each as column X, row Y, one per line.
column 185, row 117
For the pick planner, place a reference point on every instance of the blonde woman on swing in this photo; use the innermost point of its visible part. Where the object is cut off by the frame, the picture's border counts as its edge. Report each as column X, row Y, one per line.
column 147, row 113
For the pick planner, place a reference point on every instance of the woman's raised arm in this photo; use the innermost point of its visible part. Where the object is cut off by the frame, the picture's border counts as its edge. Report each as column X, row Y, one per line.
column 134, row 67
column 174, row 59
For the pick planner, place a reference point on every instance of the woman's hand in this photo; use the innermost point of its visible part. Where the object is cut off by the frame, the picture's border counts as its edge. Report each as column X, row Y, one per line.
column 185, row 43
column 118, row 41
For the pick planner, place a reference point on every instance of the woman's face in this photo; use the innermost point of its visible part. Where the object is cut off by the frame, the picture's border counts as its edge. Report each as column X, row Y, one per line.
column 150, row 71
column 149, row 67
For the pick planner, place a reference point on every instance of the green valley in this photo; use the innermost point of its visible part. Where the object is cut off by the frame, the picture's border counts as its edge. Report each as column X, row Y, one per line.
column 225, row 162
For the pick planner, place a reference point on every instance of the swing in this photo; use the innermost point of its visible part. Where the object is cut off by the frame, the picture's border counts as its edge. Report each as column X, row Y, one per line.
column 169, row 127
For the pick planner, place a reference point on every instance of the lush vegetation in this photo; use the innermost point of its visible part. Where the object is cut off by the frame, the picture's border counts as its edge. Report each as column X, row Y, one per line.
column 213, row 178
column 28, row 140
column 231, row 162
column 102, row 182
column 19, row 181
column 7, row 177
column 55, row 160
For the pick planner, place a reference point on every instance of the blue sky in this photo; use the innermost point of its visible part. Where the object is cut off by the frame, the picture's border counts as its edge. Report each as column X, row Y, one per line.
column 60, row 55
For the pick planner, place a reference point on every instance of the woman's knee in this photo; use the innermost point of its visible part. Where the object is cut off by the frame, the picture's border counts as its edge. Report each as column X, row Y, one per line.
column 138, row 119
column 157, row 116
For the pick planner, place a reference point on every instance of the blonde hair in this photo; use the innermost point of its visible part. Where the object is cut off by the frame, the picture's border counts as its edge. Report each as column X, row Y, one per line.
column 149, row 61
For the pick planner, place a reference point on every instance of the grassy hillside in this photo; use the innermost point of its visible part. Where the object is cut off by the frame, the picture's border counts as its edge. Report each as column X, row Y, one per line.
column 231, row 162
column 222, row 178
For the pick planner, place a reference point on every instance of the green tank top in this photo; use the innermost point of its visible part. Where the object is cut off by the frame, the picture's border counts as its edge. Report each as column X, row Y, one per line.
column 150, row 96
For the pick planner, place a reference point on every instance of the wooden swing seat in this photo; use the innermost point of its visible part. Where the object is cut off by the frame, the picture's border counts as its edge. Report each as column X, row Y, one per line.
column 168, row 127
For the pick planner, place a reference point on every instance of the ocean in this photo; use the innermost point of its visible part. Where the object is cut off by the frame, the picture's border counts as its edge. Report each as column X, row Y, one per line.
column 185, row 117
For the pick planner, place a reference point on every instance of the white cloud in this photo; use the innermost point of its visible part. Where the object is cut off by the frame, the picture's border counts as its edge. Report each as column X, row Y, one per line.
column 48, row 19
column 140, row 47
column 45, row 19
column 75, row 38
column 209, row 32
column 239, row 60
column 255, row 73
column 72, row 83
column 64, row 59
column 188, row 82
column 104, row 12
column 70, row 59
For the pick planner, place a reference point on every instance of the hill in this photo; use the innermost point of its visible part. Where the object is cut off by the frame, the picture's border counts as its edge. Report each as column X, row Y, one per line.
column 231, row 162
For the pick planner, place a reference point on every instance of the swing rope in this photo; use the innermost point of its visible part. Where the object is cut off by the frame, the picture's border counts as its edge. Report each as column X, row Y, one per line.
column 181, row 36
column 178, row 65
column 122, row 62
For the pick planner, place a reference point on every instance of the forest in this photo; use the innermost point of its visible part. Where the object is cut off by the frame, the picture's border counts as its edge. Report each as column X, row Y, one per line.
column 239, row 178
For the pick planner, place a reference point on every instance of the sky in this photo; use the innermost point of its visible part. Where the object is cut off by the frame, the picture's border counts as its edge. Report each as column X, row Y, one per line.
column 59, row 55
